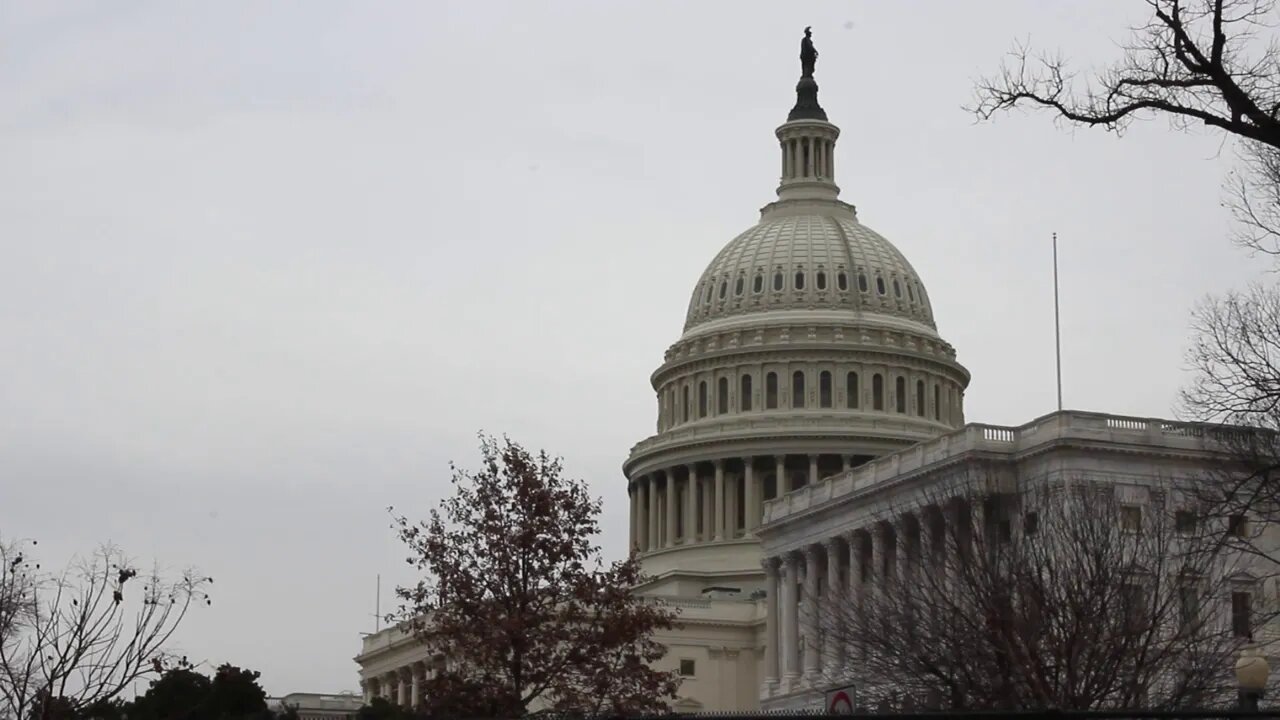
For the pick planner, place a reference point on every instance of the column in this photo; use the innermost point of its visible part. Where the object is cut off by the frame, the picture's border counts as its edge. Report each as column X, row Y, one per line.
column 855, row 590
column 811, row 667
column 671, row 507
column 750, row 515
column 691, row 506
column 402, row 689
column 782, row 486
column 846, row 462
column 708, row 503
column 651, row 492
column 634, row 529
column 813, row 469
column 876, row 576
column 782, row 145
column 771, row 623
column 790, row 620
column 731, row 499
column 719, row 506
column 415, row 689
column 368, row 689
column 831, row 157
column 835, row 608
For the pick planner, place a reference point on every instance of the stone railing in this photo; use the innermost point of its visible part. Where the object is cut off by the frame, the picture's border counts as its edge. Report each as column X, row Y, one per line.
column 778, row 421
column 1067, row 425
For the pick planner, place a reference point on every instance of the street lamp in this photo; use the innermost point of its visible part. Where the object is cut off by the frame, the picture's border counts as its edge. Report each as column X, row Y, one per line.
column 1251, row 676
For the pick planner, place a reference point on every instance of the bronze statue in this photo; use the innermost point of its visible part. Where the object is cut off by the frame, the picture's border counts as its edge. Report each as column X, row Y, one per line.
column 808, row 55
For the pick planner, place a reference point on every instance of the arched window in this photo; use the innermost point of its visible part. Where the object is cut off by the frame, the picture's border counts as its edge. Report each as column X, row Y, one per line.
column 702, row 399
column 771, row 391
column 897, row 289
column 862, row 282
column 684, row 406
column 880, row 285
column 799, row 280
column 724, row 288
column 824, row 389
column 821, row 280
column 737, row 285
column 797, row 389
column 937, row 402
column 777, row 280
column 744, row 395
column 920, row 398
column 877, row 392
column 842, row 281
column 706, row 297
column 911, row 292
column 722, row 396
column 758, row 283
column 900, row 388
column 851, row 390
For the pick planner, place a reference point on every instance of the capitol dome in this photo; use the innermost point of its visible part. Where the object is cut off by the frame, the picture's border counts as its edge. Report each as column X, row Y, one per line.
column 820, row 261
column 808, row 348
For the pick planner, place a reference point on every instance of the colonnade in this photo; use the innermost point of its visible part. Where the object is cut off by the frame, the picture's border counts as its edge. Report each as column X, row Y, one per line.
column 720, row 499
column 402, row 686
column 815, row 592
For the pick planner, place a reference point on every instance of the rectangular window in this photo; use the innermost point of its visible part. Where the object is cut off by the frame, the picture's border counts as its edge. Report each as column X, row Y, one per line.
column 1030, row 523
column 771, row 391
column 1184, row 522
column 1189, row 607
column 1238, row 526
column 1131, row 518
column 1241, row 611
column 1135, row 609
column 687, row 667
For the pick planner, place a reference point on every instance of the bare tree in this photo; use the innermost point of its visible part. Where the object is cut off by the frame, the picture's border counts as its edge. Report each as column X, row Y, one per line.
column 1194, row 62
column 1046, row 596
column 81, row 637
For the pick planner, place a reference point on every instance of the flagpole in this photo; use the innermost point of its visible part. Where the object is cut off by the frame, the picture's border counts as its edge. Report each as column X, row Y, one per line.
column 1057, row 324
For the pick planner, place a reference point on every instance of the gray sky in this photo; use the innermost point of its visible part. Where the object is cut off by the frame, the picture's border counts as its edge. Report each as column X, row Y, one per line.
column 265, row 268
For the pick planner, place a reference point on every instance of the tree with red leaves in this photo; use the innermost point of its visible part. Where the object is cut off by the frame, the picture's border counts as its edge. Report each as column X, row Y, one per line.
column 517, row 599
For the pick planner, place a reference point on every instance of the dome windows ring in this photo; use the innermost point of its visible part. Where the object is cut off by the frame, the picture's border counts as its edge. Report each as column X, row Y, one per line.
column 842, row 281
column 757, row 285
column 737, row 286
column 724, row 288
column 897, row 288
column 821, row 280
column 862, row 282
column 880, row 285
column 777, row 281
column 799, row 283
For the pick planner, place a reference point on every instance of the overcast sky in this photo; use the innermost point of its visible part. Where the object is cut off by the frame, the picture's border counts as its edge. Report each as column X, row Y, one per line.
column 266, row 268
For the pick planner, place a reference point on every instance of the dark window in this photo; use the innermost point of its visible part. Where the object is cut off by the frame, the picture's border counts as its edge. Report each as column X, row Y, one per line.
column 911, row 293
column 737, row 285
column 937, row 402
column 771, row 391
column 880, row 285
column 1184, row 521
column 744, row 396
column 684, row 407
column 687, row 667
column 877, row 392
column 777, row 280
column 897, row 289
column 824, row 389
column 1189, row 607
column 724, row 287
column 722, row 396
column 706, row 297
column 862, row 282
column 821, row 280
column 851, row 390
column 1031, row 523
column 900, row 388
column 758, row 283
column 799, row 280
column 1134, row 604
column 1241, row 610
column 1237, row 526
column 797, row 389
column 842, row 281
column 702, row 399
column 920, row 398
column 1131, row 518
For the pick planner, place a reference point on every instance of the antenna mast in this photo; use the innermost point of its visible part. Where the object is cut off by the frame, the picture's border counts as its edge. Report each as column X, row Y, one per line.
column 1057, row 324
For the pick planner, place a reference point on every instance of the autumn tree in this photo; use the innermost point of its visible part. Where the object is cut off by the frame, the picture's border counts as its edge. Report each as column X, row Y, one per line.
column 81, row 637
column 516, row 598
column 1046, row 595
column 1213, row 63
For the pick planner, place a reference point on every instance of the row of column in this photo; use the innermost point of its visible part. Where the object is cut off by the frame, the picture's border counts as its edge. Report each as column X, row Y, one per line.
column 684, row 505
column 806, row 157
column 402, row 686
column 811, row 590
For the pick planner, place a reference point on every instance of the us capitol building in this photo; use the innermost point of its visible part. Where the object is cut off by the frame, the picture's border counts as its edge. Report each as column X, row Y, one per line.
column 809, row 391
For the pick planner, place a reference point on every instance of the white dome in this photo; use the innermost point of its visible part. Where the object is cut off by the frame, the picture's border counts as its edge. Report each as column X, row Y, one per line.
column 823, row 261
